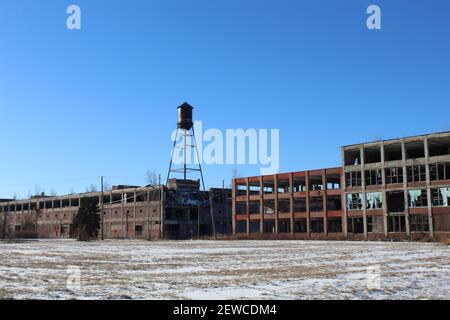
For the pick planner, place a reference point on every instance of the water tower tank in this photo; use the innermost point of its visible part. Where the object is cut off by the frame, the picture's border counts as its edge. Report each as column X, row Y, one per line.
column 185, row 116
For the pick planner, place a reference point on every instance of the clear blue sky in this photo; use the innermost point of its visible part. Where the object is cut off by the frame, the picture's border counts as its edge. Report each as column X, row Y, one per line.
column 102, row 101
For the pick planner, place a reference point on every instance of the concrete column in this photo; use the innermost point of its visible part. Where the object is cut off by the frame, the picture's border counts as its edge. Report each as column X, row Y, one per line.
column 383, row 183
column 405, row 188
column 247, row 209
column 291, row 200
column 325, row 205
column 275, row 184
column 261, row 205
column 308, row 211
column 233, row 208
column 427, row 170
column 363, row 188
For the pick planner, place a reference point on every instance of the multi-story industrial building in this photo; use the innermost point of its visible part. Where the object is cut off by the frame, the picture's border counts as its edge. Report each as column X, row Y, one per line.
column 393, row 189
column 179, row 211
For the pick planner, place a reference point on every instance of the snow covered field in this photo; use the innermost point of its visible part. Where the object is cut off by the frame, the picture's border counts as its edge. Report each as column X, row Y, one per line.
column 224, row 270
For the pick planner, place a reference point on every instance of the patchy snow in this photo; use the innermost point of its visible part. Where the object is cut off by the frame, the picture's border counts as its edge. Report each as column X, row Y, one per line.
column 225, row 270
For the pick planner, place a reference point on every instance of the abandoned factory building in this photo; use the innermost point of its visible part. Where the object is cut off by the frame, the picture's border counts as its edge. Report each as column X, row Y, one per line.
column 394, row 189
column 178, row 211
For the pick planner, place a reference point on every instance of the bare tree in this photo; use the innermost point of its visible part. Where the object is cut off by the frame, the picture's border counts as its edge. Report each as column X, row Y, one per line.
column 52, row 193
column 152, row 178
column 37, row 190
column 91, row 188
column 234, row 175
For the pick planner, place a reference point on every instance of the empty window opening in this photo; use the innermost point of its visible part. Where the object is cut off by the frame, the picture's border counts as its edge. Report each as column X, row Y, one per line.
column 299, row 184
column 315, row 182
column 284, row 206
column 419, row 223
column 255, row 207
column 141, row 197
column 268, row 186
column 416, row 173
column 352, row 157
column 241, row 208
column 333, row 181
column 415, row 150
column 138, row 230
column 316, row 204
column 254, row 226
column 353, row 179
column 440, row 171
column 334, row 225
column 284, row 226
column 396, row 223
column 241, row 226
column 300, row 205
column 269, row 207
column 439, row 147
column 317, row 225
column 375, row 224
column 417, row 198
column 394, row 175
column 354, row 201
column 373, row 177
column 355, row 225
column 269, row 226
column 374, row 200
column 283, row 185
column 241, row 189
column 334, row 203
column 393, row 152
column 395, row 201
column 441, row 197
column 300, row 225
column 372, row 154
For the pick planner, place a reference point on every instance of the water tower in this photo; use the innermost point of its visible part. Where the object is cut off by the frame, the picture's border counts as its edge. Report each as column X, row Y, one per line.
column 185, row 128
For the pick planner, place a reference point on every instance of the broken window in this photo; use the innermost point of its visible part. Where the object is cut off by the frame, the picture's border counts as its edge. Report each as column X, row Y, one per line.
column 241, row 226
column 355, row 225
column 334, row 203
column 334, row 225
column 352, row 157
column 284, row 206
column 333, row 181
column 317, row 225
column 284, row 226
column 439, row 146
column 395, row 201
column 393, row 152
column 373, row 177
column 440, row 171
column 315, row 182
column 269, row 226
column 268, row 186
column 394, row 175
column 300, row 205
column 241, row 189
column 440, row 197
column 375, row 224
column 241, row 208
column 255, row 188
column 415, row 149
column 372, row 154
column 416, row 173
column 269, row 207
column 254, row 226
column 283, row 185
column 316, row 204
column 374, row 200
column 300, row 225
column 417, row 198
column 396, row 223
column 299, row 184
column 419, row 223
column 353, row 179
column 255, row 207
column 354, row 201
